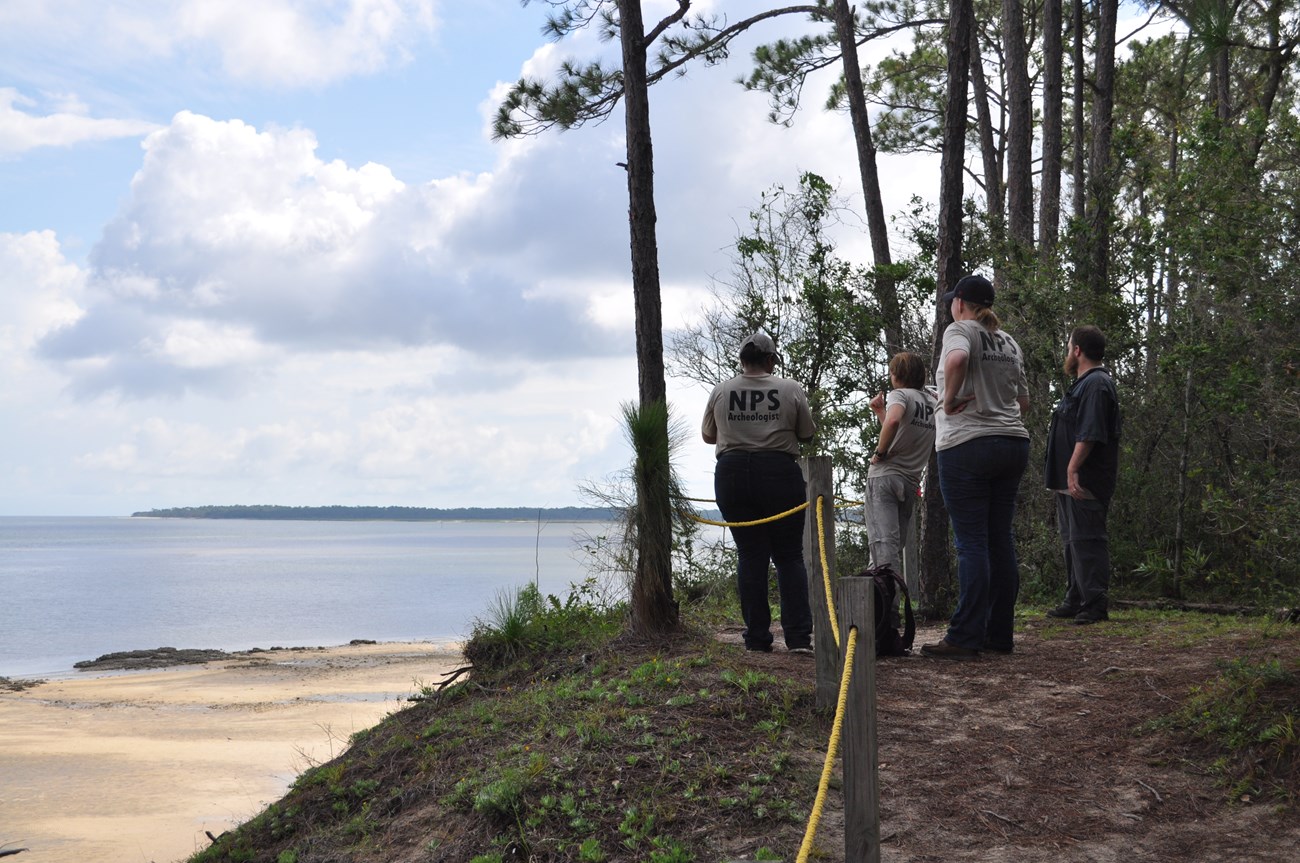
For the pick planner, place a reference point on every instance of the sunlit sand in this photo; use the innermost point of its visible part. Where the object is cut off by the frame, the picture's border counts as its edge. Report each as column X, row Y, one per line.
column 139, row 766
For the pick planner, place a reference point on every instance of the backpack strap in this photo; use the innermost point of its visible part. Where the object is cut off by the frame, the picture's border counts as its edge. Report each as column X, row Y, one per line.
column 909, row 622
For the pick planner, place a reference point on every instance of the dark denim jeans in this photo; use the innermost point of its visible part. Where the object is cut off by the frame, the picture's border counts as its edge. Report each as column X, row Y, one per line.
column 754, row 485
column 979, row 480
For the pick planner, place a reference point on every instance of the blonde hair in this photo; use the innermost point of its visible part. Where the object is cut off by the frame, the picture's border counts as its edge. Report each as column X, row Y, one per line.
column 987, row 318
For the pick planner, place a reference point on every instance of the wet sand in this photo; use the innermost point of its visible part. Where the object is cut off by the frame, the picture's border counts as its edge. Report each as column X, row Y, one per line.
column 136, row 766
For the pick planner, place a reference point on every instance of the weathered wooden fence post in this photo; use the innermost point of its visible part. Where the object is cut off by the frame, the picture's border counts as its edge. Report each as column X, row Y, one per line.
column 855, row 601
column 821, row 483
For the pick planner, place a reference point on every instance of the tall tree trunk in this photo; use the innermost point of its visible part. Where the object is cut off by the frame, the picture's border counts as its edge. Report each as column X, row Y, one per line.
column 653, row 608
column 1049, row 202
column 877, row 226
column 934, row 519
column 994, row 203
column 1079, row 196
column 1175, row 589
column 1020, row 159
column 1100, row 183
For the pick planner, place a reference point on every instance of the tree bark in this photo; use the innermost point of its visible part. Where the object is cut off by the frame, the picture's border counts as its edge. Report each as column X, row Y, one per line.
column 1100, row 184
column 935, row 565
column 993, row 197
column 1020, row 164
column 877, row 226
column 1049, row 203
column 653, row 609
column 1077, row 163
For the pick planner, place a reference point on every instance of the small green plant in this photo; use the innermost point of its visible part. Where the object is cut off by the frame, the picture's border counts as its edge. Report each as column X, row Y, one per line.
column 636, row 827
column 746, row 681
column 766, row 853
column 502, row 797
column 669, row 851
column 591, row 852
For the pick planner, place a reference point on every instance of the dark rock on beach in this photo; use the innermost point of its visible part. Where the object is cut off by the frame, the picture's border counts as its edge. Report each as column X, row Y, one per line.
column 17, row 685
column 162, row 657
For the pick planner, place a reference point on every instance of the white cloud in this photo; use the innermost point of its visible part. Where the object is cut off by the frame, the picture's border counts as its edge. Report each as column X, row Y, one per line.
column 272, row 43
column 21, row 131
column 39, row 291
column 246, row 237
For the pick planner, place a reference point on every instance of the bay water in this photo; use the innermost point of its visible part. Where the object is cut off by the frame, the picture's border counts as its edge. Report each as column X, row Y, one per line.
column 73, row 589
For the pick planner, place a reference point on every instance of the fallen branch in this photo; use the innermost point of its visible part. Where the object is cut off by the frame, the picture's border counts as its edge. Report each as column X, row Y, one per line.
column 1159, row 799
column 1285, row 615
column 447, row 680
column 1000, row 817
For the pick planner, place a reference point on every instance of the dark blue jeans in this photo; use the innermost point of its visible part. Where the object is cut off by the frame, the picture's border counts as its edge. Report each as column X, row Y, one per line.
column 979, row 480
column 754, row 485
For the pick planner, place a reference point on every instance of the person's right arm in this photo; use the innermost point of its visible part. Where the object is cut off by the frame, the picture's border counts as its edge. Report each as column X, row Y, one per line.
column 955, row 365
column 889, row 430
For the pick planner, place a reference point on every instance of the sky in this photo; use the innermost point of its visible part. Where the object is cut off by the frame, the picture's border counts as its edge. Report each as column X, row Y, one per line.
column 267, row 252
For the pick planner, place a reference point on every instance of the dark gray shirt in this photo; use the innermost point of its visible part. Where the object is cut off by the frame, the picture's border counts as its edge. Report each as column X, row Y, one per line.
column 1089, row 411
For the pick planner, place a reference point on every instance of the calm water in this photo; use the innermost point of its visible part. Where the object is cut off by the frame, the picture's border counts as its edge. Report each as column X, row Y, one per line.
column 76, row 588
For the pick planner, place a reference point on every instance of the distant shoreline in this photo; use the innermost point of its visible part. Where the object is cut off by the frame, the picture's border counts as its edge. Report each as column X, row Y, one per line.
column 384, row 513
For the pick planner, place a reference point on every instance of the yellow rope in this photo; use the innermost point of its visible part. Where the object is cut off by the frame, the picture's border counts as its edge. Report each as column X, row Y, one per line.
column 836, row 729
column 826, row 573
column 800, row 508
column 698, row 499
column 845, row 503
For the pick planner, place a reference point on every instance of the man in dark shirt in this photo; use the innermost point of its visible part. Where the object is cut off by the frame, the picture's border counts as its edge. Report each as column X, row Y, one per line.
column 1082, row 465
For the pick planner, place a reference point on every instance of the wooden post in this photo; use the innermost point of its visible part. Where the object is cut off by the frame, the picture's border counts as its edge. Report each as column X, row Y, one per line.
column 855, row 600
column 817, row 473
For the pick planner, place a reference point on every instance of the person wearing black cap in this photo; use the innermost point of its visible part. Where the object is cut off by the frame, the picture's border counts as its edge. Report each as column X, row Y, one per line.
column 756, row 421
column 983, row 448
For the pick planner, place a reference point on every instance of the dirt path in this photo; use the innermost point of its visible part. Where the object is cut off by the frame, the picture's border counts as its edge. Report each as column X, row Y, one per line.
column 1038, row 756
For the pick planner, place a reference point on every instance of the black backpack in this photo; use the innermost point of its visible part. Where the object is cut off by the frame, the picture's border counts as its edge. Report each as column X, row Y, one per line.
column 889, row 585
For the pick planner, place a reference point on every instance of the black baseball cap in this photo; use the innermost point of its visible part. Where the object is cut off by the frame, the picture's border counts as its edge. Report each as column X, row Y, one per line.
column 972, row 289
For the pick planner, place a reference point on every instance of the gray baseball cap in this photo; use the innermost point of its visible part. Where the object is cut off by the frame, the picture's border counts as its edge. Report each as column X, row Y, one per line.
column 762, row 341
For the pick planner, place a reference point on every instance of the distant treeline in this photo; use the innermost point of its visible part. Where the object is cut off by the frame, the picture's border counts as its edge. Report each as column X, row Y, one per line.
column 385, row 513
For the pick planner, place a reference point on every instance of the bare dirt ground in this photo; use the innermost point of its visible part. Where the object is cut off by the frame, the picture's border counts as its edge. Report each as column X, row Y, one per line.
column 1041, row 755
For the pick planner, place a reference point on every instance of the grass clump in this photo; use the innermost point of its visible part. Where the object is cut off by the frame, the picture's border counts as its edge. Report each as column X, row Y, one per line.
column 1246, row 722
column 524, row 626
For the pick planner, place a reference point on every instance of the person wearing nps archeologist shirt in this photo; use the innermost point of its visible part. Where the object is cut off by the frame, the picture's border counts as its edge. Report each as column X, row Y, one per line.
column 756, row 422
column 982, row 448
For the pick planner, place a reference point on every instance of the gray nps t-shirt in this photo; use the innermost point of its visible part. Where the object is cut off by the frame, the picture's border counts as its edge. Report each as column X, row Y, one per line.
column 995, row 374
column 910, row 449
column 758, row 413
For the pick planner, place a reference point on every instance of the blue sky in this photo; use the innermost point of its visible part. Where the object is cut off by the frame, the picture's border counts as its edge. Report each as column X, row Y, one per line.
column 267, row 252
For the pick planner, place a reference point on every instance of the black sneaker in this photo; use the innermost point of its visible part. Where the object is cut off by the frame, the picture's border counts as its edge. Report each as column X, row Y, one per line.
column 1063, row 611
column 944, row 650
column 1085, row 618
column 759, row 648
column 1005, row 651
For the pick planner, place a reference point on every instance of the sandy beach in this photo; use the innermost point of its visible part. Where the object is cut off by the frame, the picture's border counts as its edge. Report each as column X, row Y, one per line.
column 121, row 767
